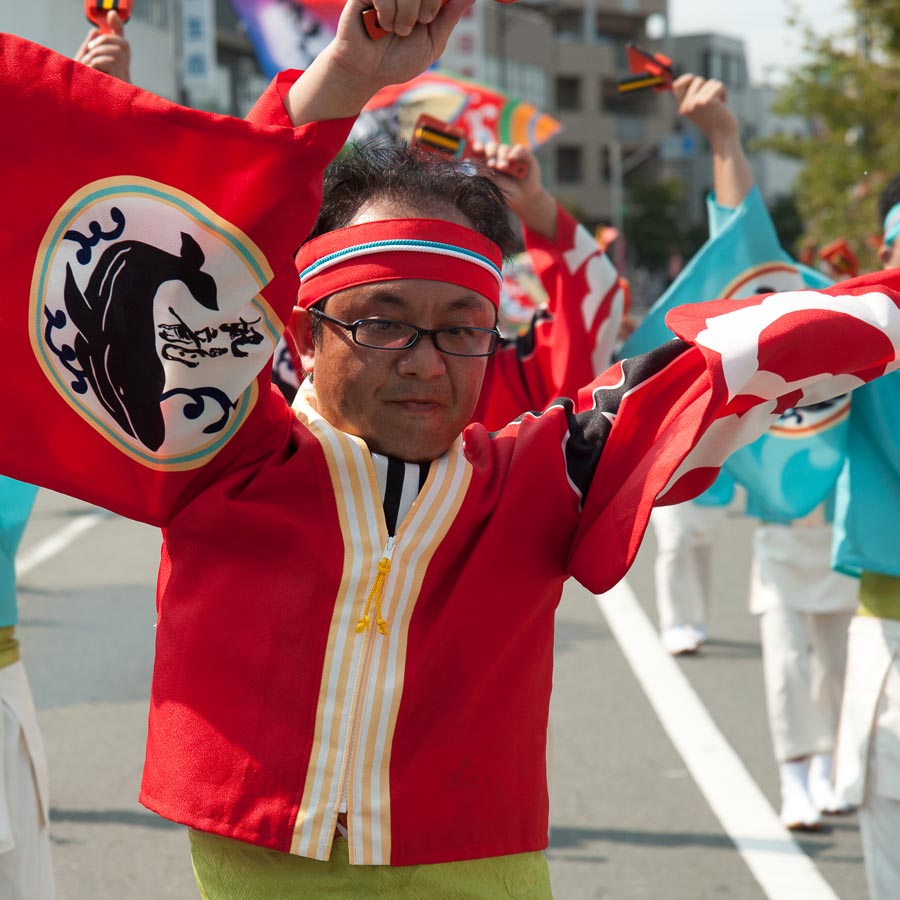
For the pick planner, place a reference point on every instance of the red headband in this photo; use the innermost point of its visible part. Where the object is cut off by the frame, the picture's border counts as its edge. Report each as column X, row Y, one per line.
column 393, row 249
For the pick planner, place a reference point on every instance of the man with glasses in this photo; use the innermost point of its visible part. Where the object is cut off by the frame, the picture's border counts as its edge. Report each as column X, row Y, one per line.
column 351, row 688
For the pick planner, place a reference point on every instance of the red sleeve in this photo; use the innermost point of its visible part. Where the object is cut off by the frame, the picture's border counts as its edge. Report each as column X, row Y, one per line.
column 271, row 107
column 657, row 428
column 146, row 282
column 565, row 349
column 670, row 434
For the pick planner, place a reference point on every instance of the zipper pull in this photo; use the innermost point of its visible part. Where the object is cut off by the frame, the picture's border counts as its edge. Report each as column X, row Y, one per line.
column 376, row 591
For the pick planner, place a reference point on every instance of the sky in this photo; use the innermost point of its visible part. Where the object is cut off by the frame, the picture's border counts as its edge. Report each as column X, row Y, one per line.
column 770, row 43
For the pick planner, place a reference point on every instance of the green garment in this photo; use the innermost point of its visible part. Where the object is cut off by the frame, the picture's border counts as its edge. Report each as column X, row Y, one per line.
column 9, row 646
column 879, row 595
column 226, row 869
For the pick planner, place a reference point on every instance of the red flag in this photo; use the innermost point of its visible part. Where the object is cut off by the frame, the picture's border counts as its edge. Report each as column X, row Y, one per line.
column 650, row 70
column 144, row 245
column 481, row 112
column 840, row 256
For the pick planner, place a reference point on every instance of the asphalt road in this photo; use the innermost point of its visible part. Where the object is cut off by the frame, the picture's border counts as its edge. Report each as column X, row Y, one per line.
column 628, row 821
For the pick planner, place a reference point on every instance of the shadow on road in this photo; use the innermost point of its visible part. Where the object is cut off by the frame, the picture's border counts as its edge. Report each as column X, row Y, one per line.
column 564, row 838
column 111, row 817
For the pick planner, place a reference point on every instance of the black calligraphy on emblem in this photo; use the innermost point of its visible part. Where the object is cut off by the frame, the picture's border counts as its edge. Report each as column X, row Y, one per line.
column 184, row 345
column 114, row 350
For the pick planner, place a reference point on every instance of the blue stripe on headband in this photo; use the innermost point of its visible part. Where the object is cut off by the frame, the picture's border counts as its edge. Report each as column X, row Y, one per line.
column 400, row 244
column 892, row 225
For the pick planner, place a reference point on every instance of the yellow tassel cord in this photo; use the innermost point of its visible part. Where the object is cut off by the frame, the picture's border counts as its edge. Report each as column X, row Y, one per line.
column 384, row 566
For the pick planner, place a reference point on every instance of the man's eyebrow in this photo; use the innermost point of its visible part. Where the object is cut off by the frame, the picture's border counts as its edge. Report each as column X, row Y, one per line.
column 464, row 302
column 468, row 301
column 387, row 297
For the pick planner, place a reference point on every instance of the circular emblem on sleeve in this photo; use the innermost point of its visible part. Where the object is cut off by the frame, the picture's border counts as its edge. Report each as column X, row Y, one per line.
column 146, row 316
column 764, row 278
column 815, row 419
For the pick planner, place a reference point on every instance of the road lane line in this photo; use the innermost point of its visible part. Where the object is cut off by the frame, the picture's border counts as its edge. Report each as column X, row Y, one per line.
column 775, row 859
column 58, row 541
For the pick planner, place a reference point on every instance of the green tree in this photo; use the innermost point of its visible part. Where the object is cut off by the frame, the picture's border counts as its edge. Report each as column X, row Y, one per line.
column 849, row 92
column 652, row 222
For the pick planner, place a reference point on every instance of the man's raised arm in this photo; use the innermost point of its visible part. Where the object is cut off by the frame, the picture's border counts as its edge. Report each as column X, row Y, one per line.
column 353, row 67
column 705, row 103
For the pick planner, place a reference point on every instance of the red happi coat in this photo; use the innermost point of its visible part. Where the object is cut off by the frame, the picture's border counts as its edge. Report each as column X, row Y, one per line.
column 267, row 704
column 566, row 345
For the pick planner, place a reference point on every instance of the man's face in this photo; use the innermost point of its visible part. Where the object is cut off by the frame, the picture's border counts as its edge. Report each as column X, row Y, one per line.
column 889, row 255
column 411, row 404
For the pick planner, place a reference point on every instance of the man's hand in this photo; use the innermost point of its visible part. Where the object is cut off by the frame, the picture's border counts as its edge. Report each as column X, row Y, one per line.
column 705, row 103
column 353, row 67
column 107, row 52
column 527, row 197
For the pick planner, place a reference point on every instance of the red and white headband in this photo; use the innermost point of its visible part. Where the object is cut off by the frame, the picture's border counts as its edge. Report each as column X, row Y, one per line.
column 392, row 249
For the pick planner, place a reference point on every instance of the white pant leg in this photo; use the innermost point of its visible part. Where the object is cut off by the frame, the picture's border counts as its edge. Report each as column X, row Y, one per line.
column 684, row 537
column 786, row 675
column 26, row 871
column 879, row 815
column 800, row 724
column 828, row 633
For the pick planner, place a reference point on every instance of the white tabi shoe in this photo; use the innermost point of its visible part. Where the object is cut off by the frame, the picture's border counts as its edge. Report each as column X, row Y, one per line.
column 821, row 789
column 798, row 812
column 679, row 640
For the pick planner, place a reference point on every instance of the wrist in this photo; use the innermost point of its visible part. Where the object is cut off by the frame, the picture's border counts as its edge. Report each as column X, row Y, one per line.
column 539, row 214
column 724, row 142
column 329, row 90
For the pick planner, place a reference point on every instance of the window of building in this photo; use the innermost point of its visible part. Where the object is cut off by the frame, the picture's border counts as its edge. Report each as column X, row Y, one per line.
column 156, row 12
column 569, row 164
column 568, row 93
column 568, row 25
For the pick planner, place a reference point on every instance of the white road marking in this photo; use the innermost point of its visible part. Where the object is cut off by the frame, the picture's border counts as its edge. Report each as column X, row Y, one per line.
column 775, row 859
column 58, row 541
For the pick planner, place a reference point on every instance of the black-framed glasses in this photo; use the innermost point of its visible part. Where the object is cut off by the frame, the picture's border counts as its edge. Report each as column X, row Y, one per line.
column 388, row 334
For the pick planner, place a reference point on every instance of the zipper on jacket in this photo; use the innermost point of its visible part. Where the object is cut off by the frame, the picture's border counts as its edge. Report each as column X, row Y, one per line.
column 364, row 627
column 376, row 592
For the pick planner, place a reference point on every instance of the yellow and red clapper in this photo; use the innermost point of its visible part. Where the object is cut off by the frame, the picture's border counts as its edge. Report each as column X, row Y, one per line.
column 96, row 11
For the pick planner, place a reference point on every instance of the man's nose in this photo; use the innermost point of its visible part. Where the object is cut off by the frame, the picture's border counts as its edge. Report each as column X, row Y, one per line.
column 423, row 359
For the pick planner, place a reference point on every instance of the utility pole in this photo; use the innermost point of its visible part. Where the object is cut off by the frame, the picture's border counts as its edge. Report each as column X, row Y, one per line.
column 619, row 167
column 589, row 22
column 501, row 22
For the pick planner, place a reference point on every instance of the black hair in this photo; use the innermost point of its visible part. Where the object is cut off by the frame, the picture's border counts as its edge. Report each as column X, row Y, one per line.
column 888, row 198
column 427, row 181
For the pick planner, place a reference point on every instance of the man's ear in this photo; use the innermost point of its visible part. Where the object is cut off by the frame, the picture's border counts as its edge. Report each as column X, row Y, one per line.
column 299, row 333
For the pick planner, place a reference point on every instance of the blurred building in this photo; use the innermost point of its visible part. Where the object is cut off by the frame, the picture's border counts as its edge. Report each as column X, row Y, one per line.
column 564, row 56
column 62, row 26
column 189, row 51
